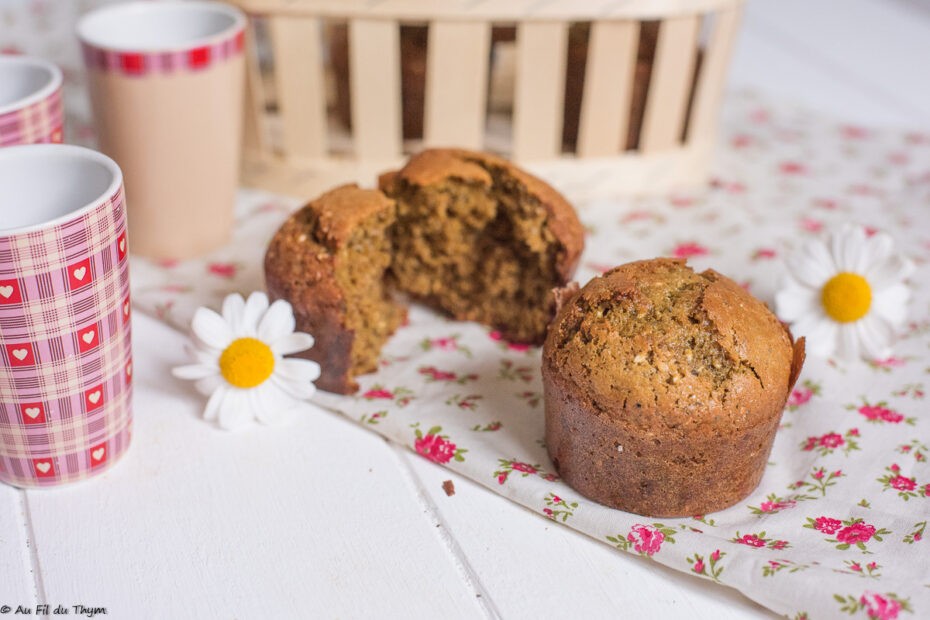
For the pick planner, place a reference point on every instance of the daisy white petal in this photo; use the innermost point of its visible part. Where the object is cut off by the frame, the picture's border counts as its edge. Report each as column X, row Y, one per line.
column 292, row 343
column 208, row 385
column 233, row 309
column 848, row 341
column 891, row 304
column 296, row 389
column 813, row 265
column 820, row 333
column 876, row 335
column 298, row 370
column 277, row 322
column 889, row 271
column 234, row 410
column 846, row 246
column 827, row 332
column 795, row 301
column 205, row 356
column 271, row 406
column 261, row 406
column 807, row 323
column 211, row 329
column 274, row 398
column 212, row 410
column 192, row 372
column 255, row 307
column 877, row 249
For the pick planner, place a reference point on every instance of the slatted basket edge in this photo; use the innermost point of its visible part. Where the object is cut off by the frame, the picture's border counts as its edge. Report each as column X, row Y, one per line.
column 678, row 123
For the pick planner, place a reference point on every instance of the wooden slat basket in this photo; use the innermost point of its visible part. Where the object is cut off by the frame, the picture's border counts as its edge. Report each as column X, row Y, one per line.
column 341, row 89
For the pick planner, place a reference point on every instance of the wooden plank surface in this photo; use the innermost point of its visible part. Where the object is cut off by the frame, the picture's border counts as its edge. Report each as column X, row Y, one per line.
column 670, row 84
column 532, row 567
column 18, row 585
column 298, row 66
column 374, row 77
column 608, row 88
column 254, row 131
column 709, row 89
column 456, row 84
column 190, row 543
column 494, row 10
column 539, row 91
column 202, row 523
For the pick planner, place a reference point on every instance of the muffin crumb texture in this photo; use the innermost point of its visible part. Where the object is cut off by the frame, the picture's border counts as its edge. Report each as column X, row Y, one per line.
column 664, row 388
column 329, row 260
column 481, row 240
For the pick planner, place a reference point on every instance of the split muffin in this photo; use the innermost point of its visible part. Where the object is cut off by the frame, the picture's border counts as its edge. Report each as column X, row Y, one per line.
column 329, row 261
column 664, row 388
column 466, row 233
column 482, row 240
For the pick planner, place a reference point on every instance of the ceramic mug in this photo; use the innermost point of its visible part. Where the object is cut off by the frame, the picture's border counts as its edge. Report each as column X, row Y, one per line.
column 166, row 82
column 65, row 358
column 30, row 101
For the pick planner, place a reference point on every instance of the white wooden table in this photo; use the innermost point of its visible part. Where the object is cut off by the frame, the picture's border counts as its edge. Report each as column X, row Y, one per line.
column 325, row 519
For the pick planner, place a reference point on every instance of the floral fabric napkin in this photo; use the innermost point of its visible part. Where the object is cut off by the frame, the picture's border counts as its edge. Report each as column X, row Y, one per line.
column 838, row 523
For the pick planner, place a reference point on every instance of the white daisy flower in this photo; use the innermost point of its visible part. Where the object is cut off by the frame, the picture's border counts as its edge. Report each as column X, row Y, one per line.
column 239, row 361
column 847, row 294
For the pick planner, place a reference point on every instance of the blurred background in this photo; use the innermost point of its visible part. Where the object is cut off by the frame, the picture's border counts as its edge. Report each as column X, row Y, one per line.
column 860, row 61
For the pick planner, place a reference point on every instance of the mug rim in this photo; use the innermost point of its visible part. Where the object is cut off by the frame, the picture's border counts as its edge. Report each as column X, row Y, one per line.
column 36, row 150
column 140, row 6
column 46, row 91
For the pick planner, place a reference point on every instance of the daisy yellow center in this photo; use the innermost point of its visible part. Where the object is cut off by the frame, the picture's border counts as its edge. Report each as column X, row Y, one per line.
column 846, row 297
column 246, row 362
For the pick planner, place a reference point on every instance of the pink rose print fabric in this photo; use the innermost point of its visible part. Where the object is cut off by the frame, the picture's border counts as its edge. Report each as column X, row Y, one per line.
column 646, row 539
column 838, row 525
column 436, row 447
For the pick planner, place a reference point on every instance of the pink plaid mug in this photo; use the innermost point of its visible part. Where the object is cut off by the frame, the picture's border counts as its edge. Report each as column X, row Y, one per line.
column 30, row 101
column 65, row 358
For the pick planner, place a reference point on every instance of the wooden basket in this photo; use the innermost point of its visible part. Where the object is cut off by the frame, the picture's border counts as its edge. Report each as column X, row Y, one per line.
column 675, row 122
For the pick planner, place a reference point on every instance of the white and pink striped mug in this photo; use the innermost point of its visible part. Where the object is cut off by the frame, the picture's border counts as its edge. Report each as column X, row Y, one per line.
column 65, row 358
column 30, row 101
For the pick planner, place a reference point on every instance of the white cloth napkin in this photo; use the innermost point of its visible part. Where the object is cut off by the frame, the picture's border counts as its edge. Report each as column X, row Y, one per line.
column 838, row 523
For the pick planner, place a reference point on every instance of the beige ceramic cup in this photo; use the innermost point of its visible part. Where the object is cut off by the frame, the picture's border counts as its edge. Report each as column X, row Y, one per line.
column 166, row 81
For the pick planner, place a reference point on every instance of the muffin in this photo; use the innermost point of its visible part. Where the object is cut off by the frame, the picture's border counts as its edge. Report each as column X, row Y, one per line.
column 329, row 261
column 481, row 240
column 466, row 233
column 664, row 388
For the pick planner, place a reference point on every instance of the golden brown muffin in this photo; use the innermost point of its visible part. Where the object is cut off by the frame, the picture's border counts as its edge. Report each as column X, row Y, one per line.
column 329, row 261
column 470, row 234
column 482, row 240
column 664, row 388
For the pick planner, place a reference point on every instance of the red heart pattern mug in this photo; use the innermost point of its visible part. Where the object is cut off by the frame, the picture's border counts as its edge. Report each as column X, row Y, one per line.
column 65, row 357
column 30, row 101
